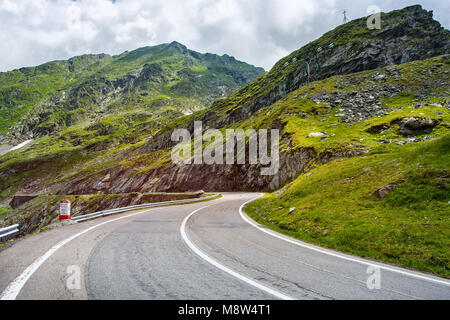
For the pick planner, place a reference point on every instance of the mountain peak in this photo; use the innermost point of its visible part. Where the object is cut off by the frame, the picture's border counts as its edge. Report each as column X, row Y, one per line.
column 406, row 35
column 142, row 75
column 177, row 45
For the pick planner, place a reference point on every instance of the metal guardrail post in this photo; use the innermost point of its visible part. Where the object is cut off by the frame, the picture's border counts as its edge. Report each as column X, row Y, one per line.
column 6, row 233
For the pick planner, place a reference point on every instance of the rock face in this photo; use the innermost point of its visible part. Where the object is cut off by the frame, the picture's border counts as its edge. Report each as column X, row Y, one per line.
column 174, row 178
column 195, row 177
column 103, row 184
column 406, row 35
column 20, row 199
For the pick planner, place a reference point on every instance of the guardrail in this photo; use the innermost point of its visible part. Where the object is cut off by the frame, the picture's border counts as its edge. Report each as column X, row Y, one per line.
column 139, row 206
column 7, row 232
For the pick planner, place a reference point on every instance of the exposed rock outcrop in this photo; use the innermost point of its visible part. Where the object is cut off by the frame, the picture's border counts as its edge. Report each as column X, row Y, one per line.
column 195, row 177
column 415, row 125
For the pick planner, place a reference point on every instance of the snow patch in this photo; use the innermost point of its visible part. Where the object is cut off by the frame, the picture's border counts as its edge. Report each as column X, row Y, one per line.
column 316, row 134
column 23, row 144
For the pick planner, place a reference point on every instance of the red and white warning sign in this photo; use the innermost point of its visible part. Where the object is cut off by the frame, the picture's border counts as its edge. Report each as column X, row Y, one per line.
column 64, row 210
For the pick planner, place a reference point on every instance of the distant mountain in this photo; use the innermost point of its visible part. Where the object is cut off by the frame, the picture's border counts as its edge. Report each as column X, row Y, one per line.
column 41, row 100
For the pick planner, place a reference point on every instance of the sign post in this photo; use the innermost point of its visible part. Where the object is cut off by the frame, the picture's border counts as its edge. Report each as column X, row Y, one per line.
column 64, row 210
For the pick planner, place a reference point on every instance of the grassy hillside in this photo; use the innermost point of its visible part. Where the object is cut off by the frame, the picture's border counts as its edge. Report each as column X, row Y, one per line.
column 21, row 90
column 337, row 206
column 391, row 203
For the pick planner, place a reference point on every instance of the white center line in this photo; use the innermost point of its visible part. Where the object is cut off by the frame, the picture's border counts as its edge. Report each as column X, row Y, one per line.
column 233, row 273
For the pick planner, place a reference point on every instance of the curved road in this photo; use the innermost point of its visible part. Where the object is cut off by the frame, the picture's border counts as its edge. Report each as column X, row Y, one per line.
column 208, row 250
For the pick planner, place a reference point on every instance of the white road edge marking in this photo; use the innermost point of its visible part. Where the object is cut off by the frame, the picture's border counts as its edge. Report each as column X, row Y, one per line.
column 210, row 260
column 12, row 291
column 327, row 252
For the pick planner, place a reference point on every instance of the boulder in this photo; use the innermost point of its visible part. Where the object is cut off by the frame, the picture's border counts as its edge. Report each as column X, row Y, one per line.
column 316, row 134
column 384, row 191
column 416, row 125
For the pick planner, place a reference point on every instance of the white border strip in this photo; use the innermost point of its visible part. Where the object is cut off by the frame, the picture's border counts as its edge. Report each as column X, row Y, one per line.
column 330, row 253
column 196, row 250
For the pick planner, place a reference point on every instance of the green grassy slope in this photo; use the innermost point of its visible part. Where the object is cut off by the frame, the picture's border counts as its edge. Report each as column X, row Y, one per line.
column 337, row 204
column 21, row 90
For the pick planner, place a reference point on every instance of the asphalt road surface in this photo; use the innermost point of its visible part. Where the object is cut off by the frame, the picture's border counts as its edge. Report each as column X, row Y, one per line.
column 208, row 250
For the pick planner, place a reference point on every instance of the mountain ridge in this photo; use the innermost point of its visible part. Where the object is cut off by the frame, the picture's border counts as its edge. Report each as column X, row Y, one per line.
column 281, row 79
column 100, row 74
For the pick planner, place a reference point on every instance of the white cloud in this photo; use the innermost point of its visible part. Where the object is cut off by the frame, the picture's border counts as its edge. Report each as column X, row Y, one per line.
column 258, row 31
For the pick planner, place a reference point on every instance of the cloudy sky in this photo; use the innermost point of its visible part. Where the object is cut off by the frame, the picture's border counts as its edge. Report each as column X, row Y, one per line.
column 259, row 32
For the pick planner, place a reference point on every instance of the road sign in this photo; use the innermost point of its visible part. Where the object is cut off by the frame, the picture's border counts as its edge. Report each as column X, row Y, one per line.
column 64, row 210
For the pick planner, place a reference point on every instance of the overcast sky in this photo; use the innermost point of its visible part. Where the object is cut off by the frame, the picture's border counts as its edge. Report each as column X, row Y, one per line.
column 259, row 32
